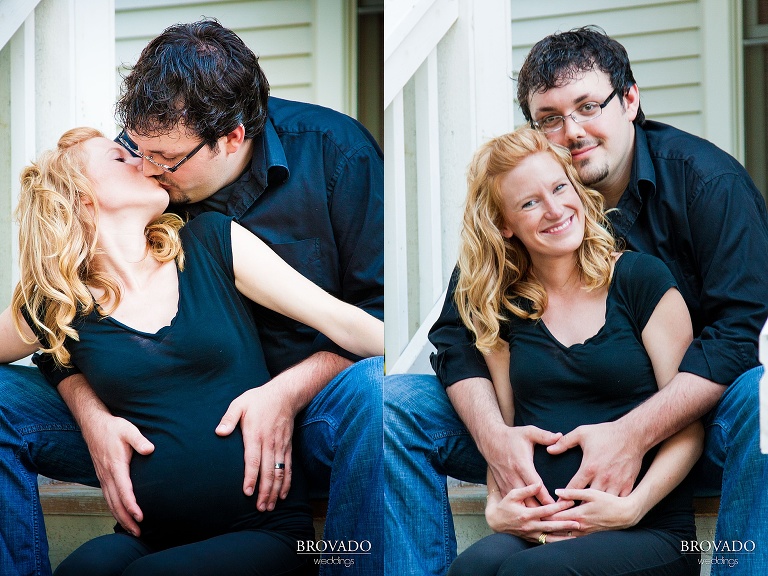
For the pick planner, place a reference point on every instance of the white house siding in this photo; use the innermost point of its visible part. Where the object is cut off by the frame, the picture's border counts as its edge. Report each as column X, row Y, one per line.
column 304, row 46
column 673, row 46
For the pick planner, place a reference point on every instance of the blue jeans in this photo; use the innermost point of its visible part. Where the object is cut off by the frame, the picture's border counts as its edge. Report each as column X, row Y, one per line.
column 425, row 440
column 339, row 435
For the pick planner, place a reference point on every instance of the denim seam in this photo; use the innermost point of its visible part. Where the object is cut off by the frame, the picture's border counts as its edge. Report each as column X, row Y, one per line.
column 330, row 421
column 447, row 517
column 449, row 433
column 47, row 428
column 36, row 512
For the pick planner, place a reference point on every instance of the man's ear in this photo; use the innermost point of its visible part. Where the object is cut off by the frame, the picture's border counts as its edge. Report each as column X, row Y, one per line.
column 632, row 102
column 235, row 139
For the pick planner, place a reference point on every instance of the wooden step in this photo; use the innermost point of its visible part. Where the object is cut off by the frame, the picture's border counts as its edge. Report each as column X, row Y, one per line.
column 64, row 498
column 75, row 514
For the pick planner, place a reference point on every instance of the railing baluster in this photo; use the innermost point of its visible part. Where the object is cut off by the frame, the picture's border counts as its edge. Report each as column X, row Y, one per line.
column 395, row 235
column 428, row 185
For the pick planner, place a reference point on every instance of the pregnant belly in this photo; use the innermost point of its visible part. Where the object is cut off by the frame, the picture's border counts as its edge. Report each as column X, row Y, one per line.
column 192, row 488
column 556, row 471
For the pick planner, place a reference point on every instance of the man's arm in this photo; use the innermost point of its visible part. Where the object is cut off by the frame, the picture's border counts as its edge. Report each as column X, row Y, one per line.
column 613, row 451
column 460, row 367
column 111, row 442
column 266, row 415
column 356, row 212
column 507, row 450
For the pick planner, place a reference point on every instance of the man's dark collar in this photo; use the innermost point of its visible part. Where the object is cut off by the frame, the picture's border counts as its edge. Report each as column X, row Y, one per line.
column 269, row 165
column 642, row 181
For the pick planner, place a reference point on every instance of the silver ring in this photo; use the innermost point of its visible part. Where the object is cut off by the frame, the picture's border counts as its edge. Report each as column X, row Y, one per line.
column 279, row 466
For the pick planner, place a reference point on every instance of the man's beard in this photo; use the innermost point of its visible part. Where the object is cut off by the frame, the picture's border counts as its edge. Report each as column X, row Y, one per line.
column 589, row 172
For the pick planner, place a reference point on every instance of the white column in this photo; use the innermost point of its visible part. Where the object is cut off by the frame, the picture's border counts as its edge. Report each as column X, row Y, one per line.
column 332, row 55
column 22, row 121
column 723, row 82
column 75, row 71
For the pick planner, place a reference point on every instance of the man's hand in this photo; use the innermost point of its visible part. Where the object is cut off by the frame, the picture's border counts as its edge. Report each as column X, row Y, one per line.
column 510, row 459
column 266, row 416
column 507, row 450
column 111, row 442
column 611, row 460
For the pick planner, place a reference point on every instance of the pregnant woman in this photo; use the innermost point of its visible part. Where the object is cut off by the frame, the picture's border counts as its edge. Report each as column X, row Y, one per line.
column 575, row 333
column 156, row 315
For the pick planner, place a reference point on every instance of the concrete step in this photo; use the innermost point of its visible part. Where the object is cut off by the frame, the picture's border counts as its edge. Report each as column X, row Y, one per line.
column 468, row 506
column 75, row 514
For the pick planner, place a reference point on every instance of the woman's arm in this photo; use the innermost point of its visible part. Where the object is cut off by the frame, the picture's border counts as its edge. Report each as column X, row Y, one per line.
column 498, row 366
column 12, row 346
column 265, row 278
column 666, row 338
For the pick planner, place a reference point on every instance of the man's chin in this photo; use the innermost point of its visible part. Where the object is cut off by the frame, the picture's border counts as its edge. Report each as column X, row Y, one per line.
column 177, row 197
column 591, row 175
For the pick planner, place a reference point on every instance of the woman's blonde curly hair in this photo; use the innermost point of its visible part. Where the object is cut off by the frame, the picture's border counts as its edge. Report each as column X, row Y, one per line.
column 58, row 239
column 494, row 271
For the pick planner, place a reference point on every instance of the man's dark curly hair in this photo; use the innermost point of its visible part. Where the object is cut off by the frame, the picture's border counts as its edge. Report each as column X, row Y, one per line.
column 564, row 56
column 201, row 75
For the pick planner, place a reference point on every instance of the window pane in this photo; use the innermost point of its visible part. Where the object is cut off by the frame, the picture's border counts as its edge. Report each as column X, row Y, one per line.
column 756, row 114
column 762, row 11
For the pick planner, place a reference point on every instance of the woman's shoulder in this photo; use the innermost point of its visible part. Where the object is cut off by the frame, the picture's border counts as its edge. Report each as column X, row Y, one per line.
column 209, row 229
column 208, row 221
column 640, row 282
column 209, row 233
column 640, row 267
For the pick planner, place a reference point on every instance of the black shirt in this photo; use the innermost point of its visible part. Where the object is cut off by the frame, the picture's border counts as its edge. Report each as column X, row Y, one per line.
column 559, row 388
column 175, row 384
column 696, row 208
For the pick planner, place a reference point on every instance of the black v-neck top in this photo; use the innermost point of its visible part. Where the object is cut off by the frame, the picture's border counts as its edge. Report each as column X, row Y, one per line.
column 559, row 388
column 175, row 385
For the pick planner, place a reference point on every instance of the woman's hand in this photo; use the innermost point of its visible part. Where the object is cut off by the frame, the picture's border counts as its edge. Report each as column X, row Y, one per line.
column 598, row 511
column 511, row 515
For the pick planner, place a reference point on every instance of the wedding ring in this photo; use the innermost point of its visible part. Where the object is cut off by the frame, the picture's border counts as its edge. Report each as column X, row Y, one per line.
column 570, row 533
column 543, row 538
column 279, row 466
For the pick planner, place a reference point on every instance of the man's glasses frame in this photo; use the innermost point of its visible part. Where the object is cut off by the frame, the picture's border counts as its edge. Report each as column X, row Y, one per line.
column 125, row 141
column 580, row 115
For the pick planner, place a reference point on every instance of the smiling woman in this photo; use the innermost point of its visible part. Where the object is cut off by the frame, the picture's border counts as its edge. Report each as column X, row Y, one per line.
column 519, row 187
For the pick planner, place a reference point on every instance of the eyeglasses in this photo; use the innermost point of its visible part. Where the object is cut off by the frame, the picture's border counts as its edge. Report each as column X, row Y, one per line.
column 128, row 144
column 584, row 113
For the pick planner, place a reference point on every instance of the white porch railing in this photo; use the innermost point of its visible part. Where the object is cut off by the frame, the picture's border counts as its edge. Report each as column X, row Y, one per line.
column 447, row 87
column 56, row 72
column 411, row 144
